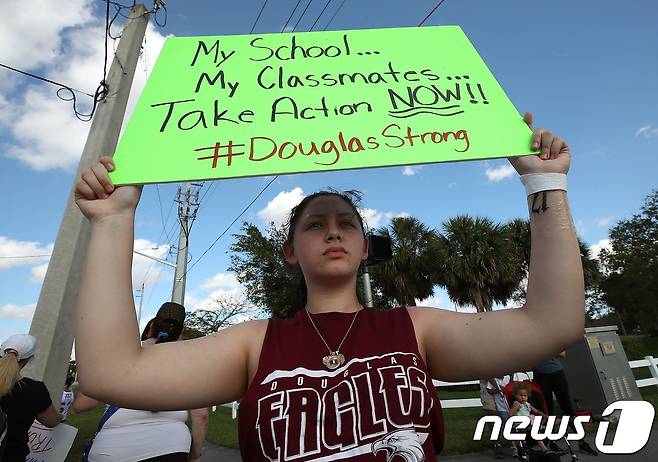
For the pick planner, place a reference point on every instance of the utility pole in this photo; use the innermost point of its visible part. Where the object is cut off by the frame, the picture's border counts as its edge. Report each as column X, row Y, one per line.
column 188, row 204
column 54, row 317
column 367, row 290
column 141, row 303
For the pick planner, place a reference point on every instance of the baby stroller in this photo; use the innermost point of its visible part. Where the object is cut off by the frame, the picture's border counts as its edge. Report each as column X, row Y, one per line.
column 536, row 399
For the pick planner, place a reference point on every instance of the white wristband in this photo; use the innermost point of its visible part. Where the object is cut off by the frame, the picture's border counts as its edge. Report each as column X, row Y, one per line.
column 536, row 182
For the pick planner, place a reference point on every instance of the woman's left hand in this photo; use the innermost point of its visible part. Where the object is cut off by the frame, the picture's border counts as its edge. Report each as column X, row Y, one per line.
column 555, row 156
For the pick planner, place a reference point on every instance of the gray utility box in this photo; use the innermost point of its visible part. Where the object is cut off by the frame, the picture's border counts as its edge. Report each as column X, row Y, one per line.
column 598, row 372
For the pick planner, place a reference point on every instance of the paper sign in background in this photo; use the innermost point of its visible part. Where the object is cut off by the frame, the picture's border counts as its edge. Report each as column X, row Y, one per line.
column 232, row 106
column 50, row 444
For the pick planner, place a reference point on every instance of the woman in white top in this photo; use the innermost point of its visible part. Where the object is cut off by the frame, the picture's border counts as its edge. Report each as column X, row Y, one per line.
column 139, row 436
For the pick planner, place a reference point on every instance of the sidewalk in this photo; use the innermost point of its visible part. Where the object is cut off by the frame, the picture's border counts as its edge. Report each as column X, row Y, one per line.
column 212, row 453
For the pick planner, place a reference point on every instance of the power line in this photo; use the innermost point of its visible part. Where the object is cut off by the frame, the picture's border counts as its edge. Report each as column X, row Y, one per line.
column 71, row 89
column 101, row 93
column 431, row 12
column 157, row 6
column 258, row 17
column 334, row 15
column 24, row 256
column 209, row 192
column 232, row 223
column 157, row 188
column 302, row 15
column 320, row 15
column 290, row 17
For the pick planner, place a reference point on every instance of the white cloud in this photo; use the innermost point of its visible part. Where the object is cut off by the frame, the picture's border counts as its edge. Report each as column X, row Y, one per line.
column 278, row 209
column 441, row 300
column 411, row 170
column 38, row 273
column 191, row 300
column 25, row 46
column 71, row 45
column 220, row 286
column 11, row 248
column 500, row 173
column 18, row 311
column 374, row 218
column 433, row 301
column 647, row 131
column 146, row 270
column 580, row 227
column 602, row 244
column 50, row 135
column 221, row 281
column 603, row 222
column 210, row 301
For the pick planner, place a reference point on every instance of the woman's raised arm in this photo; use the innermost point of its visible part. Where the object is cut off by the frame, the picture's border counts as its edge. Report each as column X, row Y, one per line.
column 112, row 365
column 468, row 346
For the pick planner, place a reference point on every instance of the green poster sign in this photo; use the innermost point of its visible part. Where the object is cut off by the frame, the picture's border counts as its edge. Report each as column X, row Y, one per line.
column 248, row 105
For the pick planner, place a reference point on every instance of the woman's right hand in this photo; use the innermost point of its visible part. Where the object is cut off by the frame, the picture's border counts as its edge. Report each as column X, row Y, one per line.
column 98, row 198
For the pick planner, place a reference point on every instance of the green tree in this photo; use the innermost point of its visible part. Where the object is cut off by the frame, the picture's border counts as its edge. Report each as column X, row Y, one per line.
column 519, row 233
column 222, row 312
column 258, row 262
column 410, row 274
column 479, row 264
column 189, row 334
column 630, row 269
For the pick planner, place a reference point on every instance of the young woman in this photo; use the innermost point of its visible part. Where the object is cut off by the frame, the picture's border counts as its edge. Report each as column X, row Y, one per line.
column 21, row 399
column 334, row 380
column 129, row 435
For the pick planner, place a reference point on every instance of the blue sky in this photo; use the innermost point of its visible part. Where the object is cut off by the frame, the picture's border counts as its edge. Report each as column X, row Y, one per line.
column 587, row 69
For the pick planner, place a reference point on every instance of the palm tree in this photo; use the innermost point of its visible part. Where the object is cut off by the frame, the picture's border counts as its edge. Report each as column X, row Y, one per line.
column 479, row 264
column 410, row 274
column 519, row 232
column 591, row 271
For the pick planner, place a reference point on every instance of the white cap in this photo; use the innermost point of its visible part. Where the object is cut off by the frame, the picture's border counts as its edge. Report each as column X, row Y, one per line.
column 23, row 344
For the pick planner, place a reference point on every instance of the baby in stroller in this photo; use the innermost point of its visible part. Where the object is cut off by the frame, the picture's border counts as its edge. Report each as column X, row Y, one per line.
column 521, row 392
column 526, row 398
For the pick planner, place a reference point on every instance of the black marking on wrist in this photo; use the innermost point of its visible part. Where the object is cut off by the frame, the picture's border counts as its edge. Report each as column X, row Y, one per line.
column 539, row 208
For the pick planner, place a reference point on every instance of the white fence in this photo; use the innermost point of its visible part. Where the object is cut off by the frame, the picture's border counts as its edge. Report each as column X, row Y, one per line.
column 648, row 361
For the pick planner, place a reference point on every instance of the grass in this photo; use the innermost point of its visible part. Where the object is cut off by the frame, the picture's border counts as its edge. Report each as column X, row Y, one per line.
column 86, row 424
column 222, row 429
column 459, row 422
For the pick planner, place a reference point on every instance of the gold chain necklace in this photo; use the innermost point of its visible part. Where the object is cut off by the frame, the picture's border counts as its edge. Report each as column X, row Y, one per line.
column 335, row 358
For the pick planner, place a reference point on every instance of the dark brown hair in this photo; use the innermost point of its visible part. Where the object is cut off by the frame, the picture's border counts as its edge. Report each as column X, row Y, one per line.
column 352, row 197
column 146, row 333
column 518, row 386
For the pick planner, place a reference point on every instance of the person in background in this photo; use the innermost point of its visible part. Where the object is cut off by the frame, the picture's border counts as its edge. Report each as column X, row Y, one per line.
column 67, row 398
column 489, row 408
column 496, row 388
column 549, row 375
column 22, row 399
column 129, row 435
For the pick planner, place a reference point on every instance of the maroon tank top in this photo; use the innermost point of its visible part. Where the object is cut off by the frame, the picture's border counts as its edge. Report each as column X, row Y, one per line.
column 378, row 406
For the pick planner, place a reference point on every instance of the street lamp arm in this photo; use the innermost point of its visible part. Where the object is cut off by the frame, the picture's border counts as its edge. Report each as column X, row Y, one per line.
column 164, row 262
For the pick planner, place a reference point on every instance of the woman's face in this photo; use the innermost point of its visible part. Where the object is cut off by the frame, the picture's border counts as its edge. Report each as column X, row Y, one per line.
column 328, row 240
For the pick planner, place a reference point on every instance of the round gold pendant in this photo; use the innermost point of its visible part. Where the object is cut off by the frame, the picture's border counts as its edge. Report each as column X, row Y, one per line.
column 334, row 360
